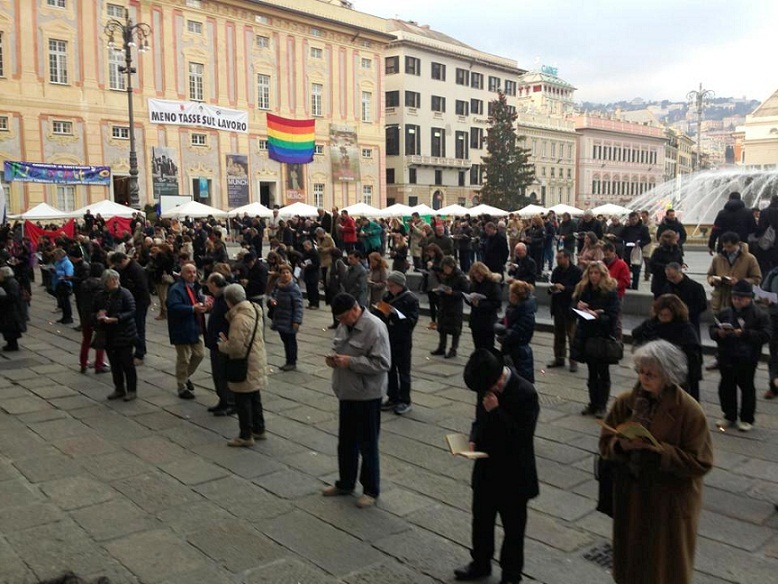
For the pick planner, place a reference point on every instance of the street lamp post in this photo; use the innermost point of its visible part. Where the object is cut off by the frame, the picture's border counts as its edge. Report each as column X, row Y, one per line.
column 698, row 97
column 129, row 33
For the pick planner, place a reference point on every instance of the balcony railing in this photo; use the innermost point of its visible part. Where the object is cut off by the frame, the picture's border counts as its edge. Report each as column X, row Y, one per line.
column 438, row 161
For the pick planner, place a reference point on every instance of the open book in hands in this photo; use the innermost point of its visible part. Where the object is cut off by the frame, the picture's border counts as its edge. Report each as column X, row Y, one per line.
column 631, row 431
column 459, row 444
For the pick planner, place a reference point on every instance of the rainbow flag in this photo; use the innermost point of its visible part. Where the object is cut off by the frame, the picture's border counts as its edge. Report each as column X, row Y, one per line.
column 290, row 141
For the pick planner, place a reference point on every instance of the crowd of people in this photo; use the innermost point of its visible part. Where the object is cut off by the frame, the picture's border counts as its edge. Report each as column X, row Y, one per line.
column 211, row 301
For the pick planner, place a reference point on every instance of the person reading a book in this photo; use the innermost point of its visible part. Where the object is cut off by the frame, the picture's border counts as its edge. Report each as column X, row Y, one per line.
column 657, row 437
column 485, row 302
column 506, row 414
column 450, row 305
column 519, row 323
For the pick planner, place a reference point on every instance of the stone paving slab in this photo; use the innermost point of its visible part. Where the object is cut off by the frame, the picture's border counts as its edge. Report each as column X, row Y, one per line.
column 235, row 546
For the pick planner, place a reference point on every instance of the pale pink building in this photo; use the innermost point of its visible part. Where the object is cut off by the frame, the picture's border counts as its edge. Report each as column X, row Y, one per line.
column 617, row 160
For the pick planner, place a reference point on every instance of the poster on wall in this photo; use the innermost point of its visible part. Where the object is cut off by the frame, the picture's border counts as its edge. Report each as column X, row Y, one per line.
column 295, row 183
column 237, row 180
column 164, row 171
column 344, row 153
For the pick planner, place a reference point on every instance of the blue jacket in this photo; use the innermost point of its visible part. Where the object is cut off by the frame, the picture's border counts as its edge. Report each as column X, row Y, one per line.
column 289, row 309
column 183, row 325
column 63, row 268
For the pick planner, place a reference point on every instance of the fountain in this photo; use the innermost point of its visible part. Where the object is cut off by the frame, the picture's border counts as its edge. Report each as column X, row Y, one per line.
column 698, row 197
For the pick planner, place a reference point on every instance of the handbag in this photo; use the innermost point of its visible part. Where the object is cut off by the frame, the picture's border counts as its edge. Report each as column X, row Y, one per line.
column 168, row 279
column 636, row 256
column 98, row 340
column 603, row 349
column 238, row 369
column 603, row 472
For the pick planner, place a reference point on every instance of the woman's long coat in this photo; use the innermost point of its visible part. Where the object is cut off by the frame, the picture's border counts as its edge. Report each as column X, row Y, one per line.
column 243, row 318
column 655, row 513
column 451, row 306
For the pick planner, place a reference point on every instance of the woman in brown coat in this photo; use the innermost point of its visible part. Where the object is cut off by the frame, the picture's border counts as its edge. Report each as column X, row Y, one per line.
column 657, row 490
column 245, row 319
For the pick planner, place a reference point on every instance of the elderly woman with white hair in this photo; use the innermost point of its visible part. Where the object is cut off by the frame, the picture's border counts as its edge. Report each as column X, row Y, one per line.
column 244, row 340
column 13, row 317
column 115, row 331
column 657, row 488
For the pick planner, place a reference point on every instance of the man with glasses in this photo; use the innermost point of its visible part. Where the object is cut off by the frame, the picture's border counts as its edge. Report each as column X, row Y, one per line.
column 360, row 361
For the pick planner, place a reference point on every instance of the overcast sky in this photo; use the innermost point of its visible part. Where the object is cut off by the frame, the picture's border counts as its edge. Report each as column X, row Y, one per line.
column 617, row 49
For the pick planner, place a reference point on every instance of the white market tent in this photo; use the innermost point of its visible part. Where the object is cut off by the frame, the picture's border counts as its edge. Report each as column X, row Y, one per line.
column 453, row 211
column 611, row 209
column 298, row 208
column 41, row 212
column 106, row 209
column 531, row 211
column 561, row 209
column 194, row 210
column 423, row 210
column 487, row 210
column 362, row 210
column 397, row 210
column 253, row 210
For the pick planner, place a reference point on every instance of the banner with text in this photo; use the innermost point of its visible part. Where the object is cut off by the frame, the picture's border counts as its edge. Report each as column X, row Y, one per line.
column 237, row 180
column 295, row 183
column 197, row 115
column 63, row 174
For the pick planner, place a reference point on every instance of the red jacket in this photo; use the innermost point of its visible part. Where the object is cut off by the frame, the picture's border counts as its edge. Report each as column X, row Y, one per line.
column 348, row 229
column 619, row 271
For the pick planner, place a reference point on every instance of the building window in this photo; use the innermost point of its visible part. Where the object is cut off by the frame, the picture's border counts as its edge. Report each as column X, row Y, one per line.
column 460, row 146
column 58, row 61
column 412, row 140
column 66, row 197
column 261, row 144
column 494, row 84
column 390, row 176
column 439, row 71
column 367, row 106
column 438, row 103
column 115, row 11
column 196, row 4
column 462, row 77
column 412, row 66
column 412, row 99
column 476, row 80
column 196, row 73
column 510, row 88
column 3, row 123
column 317, row 53
column 199, row 139
column 62, row 128
column 438, row 177
column 263, row 91
column 438, row 142
column 412, row 176
column 569, row 173
column 476, row 138
column 194, row 27
column 318, row 195
column 366, row 63
column 318, row 149
column 367, row 194
column 476, row 175
column 392, row 140
column 116, row 79
column 392, row 65
column 2, row 68
column 462, row 108
column 367, row 153
column 57, row 3
column 477, row 107
column 461, row 182
column 317, row 91
column 120, row 132
column 316, row 32
column 262, row 41
column 392, row 99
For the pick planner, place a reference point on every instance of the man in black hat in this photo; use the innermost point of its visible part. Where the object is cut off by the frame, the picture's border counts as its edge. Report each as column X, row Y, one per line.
column 740, row 333
column 506, row 415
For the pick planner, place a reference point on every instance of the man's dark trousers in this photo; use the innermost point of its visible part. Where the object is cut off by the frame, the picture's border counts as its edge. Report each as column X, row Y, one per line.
column 358, row 429
column 400, row 374
column 140, row 324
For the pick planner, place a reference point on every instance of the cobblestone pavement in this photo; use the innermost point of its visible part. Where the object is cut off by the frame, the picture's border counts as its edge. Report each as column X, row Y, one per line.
column 148, row 491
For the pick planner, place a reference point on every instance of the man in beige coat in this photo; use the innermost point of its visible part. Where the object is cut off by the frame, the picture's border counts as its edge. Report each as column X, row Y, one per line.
column 244, row 339
column 732, row 264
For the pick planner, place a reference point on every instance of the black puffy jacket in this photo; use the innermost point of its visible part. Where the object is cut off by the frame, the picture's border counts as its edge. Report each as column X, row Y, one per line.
column 119, row 304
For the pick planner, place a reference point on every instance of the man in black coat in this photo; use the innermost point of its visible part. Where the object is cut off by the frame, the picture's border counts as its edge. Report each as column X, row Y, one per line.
column 671, row 222
column 523, row 267
column 217, row 324
column 735, row 216
column 588, row 223
column 504, row 428
column 81, row 271
column 766, row 254
column 494, row 249
column 635, row 235
column 402, row 302
column 564, row 279
column 134, row 278
column 692, row 293
column 254, row 278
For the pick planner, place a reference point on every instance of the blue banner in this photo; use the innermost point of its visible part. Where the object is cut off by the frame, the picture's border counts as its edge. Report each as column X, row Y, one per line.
column 64, row 174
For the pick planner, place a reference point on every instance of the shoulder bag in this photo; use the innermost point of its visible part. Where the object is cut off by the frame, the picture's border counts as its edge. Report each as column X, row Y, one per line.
column 603, row 472
column 238, row 369
column 603, row 349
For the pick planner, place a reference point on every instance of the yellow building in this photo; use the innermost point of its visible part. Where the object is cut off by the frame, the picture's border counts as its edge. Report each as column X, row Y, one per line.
column 63, row 98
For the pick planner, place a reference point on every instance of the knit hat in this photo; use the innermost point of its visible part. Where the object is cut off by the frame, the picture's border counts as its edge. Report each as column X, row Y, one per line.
column 743, row 288
column 482, row 371
column 396, row 278
column 342, row 303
